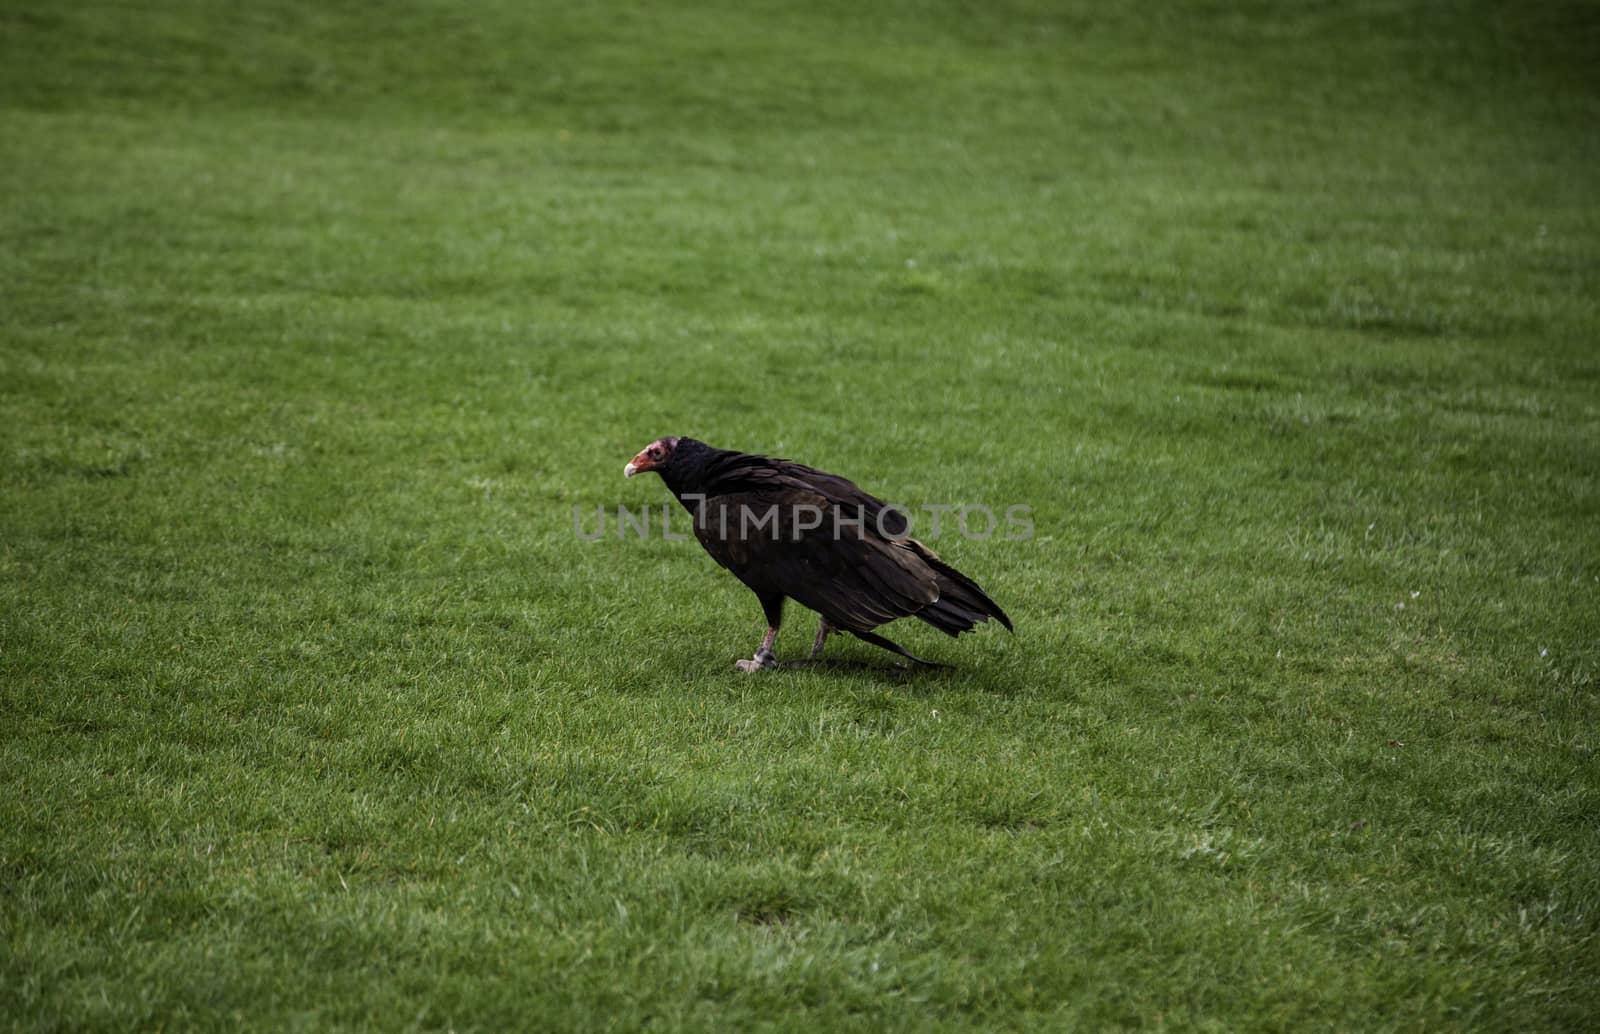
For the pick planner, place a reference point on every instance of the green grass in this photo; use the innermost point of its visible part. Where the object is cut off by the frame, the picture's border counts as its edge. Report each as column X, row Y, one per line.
column 317, row 320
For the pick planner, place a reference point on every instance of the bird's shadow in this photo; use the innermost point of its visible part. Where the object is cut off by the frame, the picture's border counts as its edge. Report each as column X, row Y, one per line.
column 847, row 666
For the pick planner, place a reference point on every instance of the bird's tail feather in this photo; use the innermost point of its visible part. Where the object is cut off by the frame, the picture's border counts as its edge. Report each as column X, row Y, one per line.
column 961, row 603
column 892, row 647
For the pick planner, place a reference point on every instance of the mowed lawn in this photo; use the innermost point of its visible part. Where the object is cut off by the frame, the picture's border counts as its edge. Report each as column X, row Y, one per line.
column 320, row 321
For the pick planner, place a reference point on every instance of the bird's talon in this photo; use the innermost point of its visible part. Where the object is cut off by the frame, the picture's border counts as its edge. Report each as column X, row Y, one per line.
column 762, row 659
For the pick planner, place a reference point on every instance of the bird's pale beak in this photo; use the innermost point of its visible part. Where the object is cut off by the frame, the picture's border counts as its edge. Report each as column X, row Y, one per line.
column 641, row 463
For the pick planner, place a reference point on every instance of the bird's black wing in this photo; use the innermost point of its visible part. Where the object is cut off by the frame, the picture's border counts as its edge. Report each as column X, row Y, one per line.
column 732, row 473
column 815, row 537
column 855, row 565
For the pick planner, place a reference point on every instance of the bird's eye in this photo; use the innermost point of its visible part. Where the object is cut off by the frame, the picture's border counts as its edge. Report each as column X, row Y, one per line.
column 655, row 454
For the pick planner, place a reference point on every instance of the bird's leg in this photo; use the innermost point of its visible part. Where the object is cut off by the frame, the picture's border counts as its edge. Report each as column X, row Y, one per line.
column 764, row 657
column 772, row 607
column 822, row 637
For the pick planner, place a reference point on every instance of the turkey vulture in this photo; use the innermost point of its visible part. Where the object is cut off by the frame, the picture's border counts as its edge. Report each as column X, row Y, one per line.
column 790, row 531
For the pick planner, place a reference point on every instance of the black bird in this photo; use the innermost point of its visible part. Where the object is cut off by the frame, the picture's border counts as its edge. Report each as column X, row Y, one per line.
column 788, row 531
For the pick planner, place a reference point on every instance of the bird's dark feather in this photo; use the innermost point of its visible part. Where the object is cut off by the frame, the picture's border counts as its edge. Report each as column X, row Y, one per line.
column 868, row 575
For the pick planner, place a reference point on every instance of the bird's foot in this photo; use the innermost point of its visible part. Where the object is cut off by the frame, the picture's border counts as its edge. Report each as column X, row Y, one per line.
column 762, row 659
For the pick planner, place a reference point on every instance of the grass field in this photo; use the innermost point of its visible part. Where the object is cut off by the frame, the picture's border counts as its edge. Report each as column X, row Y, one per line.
column 317, row 320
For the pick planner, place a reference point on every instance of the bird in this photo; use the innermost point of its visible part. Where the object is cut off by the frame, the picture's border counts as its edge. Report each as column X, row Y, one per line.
column 792, row 532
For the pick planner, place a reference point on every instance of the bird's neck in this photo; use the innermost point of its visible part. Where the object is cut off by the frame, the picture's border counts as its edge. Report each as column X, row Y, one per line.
column 695, row 474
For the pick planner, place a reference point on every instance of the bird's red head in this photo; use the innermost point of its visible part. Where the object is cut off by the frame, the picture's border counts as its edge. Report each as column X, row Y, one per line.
column 652, row 457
